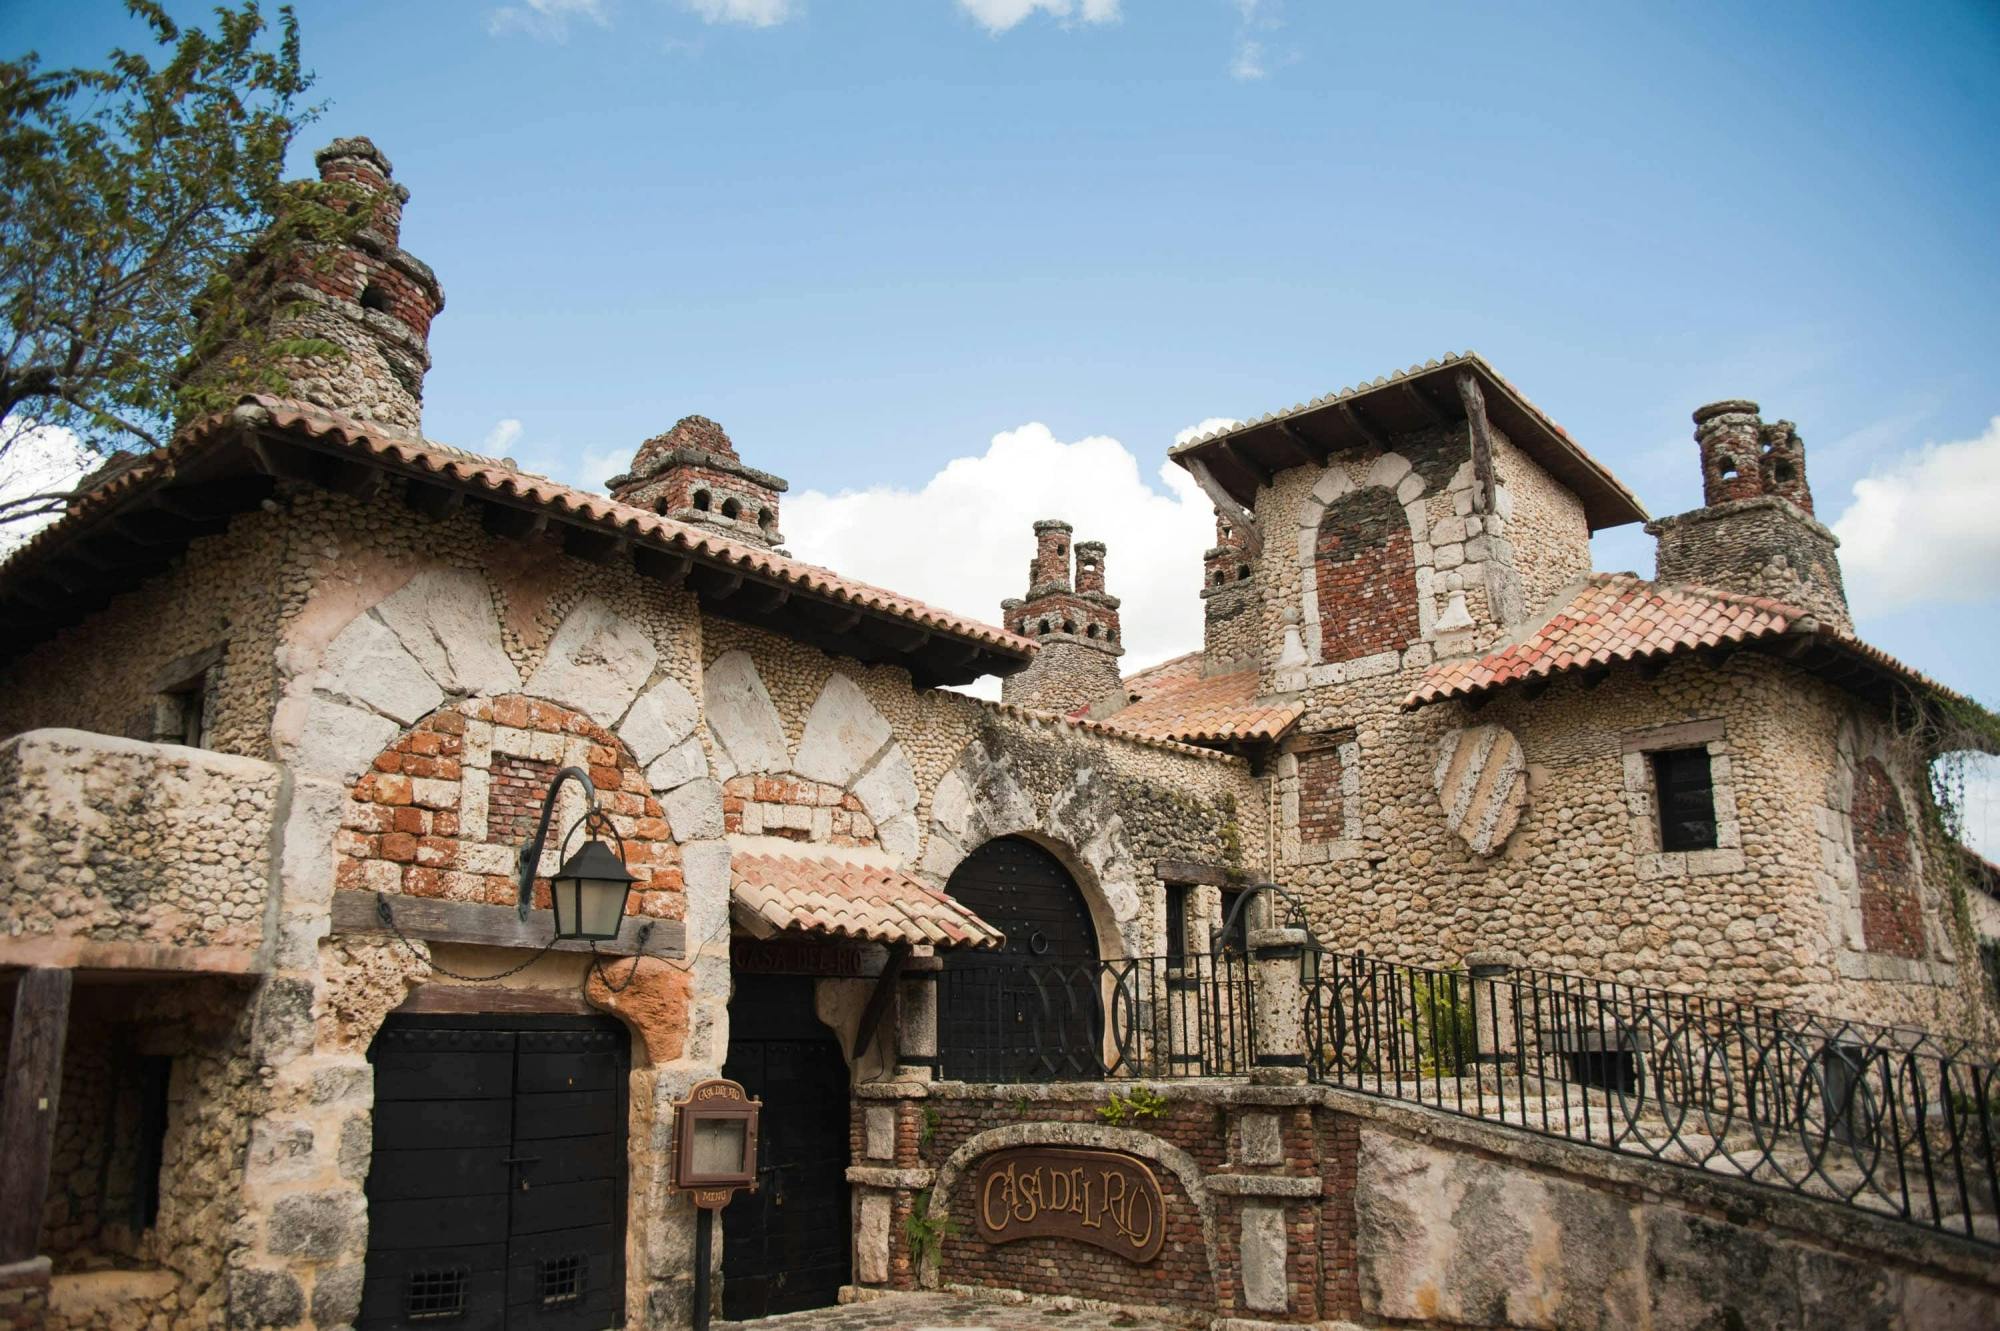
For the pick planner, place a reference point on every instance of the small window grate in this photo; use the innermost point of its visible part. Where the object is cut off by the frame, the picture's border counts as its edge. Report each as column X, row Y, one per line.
column 1686, row 792
column 436, row 1294
column 561, row 1279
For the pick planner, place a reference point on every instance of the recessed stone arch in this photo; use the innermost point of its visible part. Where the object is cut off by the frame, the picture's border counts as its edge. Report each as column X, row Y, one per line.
column 1404, row 488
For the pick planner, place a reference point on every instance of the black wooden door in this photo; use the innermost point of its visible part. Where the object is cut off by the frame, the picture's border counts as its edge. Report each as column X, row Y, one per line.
column 496, row 1196
column 786, row 1246
column 1033, row 1009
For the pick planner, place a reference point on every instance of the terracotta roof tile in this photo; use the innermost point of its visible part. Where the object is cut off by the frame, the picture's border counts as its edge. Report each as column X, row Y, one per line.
column 1220, row 709
column 1613, row 617
column 467, row 469
column 819, row 894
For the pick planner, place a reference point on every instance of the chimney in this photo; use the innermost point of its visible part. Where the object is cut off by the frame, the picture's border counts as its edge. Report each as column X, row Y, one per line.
column 1229, row 601
column 1075, row 672
column 692, row 474
column 369, row 298
column 1755, row 532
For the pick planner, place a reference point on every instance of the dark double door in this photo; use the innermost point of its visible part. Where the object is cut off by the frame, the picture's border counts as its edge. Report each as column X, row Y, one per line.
column 786, row 1245
column 496, row 1196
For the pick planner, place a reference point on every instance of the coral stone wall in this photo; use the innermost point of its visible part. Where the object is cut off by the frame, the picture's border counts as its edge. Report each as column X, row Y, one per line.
column 1544, row 524
column 1762, row 546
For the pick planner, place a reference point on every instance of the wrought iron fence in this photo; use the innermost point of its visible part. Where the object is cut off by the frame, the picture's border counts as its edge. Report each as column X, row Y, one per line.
column 1886, row 1119
column 1008, row 1021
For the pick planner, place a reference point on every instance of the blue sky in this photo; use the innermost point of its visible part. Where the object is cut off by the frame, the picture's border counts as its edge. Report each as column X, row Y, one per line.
column 872, row 238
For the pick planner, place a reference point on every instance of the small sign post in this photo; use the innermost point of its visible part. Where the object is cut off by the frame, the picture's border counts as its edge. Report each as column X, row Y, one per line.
column 715, row 1154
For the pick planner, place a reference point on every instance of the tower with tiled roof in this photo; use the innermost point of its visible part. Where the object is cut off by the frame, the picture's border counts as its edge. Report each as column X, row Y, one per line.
column 1755, row 531
column 692, row 473
column 1075, row 627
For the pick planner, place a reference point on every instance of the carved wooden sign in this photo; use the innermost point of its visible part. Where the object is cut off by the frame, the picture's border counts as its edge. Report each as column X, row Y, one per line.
column 1105, row 1198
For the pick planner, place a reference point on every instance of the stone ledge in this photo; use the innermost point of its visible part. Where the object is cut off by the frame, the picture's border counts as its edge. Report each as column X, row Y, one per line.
column 1265, row 1185
column 888, row 1176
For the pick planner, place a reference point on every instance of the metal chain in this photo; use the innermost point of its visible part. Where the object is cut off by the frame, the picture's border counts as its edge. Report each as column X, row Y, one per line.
column 388, row 917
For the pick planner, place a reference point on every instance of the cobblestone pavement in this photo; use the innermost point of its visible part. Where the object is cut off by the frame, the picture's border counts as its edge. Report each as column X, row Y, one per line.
column 922, row 1312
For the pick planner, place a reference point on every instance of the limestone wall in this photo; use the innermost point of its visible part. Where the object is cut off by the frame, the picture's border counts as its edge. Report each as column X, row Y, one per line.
column 1543, row 520
column 118, row 852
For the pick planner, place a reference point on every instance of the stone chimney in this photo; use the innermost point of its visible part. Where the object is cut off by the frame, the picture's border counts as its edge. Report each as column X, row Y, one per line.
column 370, row 298
column 1229, row 600
column 1755, row 532
column 692, row 474
column 1076, row 670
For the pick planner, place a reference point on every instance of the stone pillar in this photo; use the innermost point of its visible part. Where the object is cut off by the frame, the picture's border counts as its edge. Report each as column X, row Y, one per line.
column 1050, row 571
column 1279, row 1003
column 1495, row 1005
column 888, row 1175
column 1090, row 566
column 917, row 1020
column 1728, row 435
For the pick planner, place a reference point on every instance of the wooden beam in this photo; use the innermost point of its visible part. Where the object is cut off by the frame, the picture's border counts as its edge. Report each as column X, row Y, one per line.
column 878, row 1001
column 510, row 523
column 1652, row 667
column 1482, row 439
column 28, row 1110
column 1194, row 871
column 474, row 999
column 1258, row 472
column 1535, row 686
column 433, row 501
column 1362, row 427
column 834, row 618
column 715, row 584
column 473, row 922
column 895, row 635
column 1594, row 676
column 349, row 477
column 661, row 565
column 1218, row 494
column 1422, row 402
column 761, row 598
column 282, row 460
column 1297, row 446
column 592, row 545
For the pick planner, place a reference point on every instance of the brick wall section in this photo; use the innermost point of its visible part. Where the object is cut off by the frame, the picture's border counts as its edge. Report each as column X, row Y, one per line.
column 1366, row 574
column 1322, row 815
column 447, row 806
column 1892, row 917
column 795, row 809
column 1339, row 1255
column 514, row 802
column 346, row 275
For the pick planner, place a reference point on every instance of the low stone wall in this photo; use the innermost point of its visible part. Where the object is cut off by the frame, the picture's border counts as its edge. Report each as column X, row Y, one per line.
column 1290, row 1204
column 24, row 1295
column 115, row 852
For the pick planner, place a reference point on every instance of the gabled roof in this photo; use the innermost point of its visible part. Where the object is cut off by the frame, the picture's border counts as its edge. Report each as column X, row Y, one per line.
column 136, row 517
column 819, row 894
column 1614, row 619
column 1246, row 456
column 1222, row 709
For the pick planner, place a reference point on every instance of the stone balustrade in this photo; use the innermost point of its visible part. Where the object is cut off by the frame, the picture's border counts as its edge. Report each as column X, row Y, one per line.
column 119, row 853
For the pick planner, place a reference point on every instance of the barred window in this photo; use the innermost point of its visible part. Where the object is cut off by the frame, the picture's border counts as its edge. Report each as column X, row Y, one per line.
column 1685, row 790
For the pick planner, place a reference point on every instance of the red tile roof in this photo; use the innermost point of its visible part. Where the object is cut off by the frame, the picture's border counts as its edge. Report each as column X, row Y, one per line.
column 822, row 895
column 1176, row 703
column 428, row 460
column 1620, row 617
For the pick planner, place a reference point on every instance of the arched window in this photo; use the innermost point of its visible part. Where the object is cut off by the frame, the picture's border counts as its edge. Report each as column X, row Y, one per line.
column 1885, row 867
column 730, row 508
column 1031, row 1010
column 701, row 500
column 373, row 298
column 1365, row 576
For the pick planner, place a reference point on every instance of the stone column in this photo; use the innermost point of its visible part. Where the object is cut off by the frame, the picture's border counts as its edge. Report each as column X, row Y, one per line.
column 1183, row 998
column 1494, row 1007
column 917, row 1019
column 1278, row 1005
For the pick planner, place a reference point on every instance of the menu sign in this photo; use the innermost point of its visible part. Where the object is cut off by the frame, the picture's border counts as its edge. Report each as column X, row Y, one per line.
column 1105, row 1198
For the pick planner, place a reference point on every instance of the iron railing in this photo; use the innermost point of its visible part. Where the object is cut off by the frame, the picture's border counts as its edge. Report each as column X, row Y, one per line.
column 1886, row 1119
column 1153, row 1017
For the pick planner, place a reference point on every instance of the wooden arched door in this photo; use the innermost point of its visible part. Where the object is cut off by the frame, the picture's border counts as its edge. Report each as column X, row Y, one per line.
column 1033, row 1010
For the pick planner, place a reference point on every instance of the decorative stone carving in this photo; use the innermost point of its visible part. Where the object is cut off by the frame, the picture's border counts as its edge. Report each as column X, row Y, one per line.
column 1481, row 779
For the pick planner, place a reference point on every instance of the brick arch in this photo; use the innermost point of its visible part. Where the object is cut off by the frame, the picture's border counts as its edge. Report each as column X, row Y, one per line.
column 444, row 809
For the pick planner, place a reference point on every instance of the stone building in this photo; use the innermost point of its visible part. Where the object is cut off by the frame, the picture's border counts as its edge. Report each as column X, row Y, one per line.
column 282, row 702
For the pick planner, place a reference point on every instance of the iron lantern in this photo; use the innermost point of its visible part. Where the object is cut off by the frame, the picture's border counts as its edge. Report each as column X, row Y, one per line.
column 589, row 892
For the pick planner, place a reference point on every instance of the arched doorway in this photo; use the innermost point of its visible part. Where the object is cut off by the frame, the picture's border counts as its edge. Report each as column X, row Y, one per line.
column 1033, row 1010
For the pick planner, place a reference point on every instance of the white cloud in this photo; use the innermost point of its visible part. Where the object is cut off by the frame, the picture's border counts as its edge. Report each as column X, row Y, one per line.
column 42, row 460
column 1251, row 60
column 1248, row 63
column 1206, row 426
column 964, row 540
column 1922, row 530
column 545, row 20
column 753, row 13
column 501, row 438
column 1001, row 15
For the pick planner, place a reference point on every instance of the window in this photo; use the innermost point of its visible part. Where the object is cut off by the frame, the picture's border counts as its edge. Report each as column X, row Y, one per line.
column 730, row 509
column 373, row 299
column 1686, row 795
column 1365, row 577
column 1177, row 922
column 152, row 1075
column 182, row 714
column 701, row 501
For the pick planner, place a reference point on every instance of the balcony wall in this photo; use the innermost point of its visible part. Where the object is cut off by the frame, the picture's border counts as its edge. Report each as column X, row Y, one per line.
column 118, row 854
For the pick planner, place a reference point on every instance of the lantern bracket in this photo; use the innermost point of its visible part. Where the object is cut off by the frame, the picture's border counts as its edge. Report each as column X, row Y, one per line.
column 531, row 853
